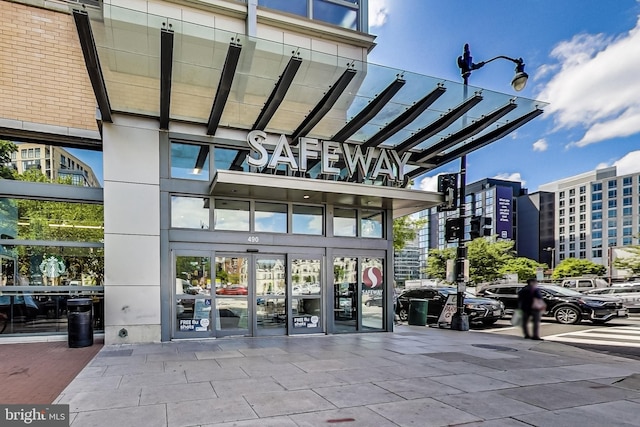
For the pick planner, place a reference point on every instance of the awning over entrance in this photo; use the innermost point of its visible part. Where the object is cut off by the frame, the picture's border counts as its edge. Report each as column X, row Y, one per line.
column 177, row 70
column 290, row 189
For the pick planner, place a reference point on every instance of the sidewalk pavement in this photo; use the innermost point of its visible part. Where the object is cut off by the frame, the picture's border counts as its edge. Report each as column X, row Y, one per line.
column 416, row 376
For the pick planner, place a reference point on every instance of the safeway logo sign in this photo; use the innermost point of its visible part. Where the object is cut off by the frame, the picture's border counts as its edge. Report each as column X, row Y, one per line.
column 372, row 277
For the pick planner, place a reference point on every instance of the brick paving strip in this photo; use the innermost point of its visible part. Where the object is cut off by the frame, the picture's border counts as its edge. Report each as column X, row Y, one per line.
column 37, row 373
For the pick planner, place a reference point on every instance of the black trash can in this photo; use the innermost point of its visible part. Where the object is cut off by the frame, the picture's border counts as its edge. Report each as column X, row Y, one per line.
column 80, row 322
column 418, row 312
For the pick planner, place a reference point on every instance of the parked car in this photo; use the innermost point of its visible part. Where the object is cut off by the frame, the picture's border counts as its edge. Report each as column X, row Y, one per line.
column 232, row 290
column 479, row 310
column 628, row 293
column 565, row 305
column 583, row 284
column 374, row 300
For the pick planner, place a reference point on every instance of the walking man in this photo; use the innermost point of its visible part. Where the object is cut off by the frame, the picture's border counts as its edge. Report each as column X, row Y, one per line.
column 532, row 305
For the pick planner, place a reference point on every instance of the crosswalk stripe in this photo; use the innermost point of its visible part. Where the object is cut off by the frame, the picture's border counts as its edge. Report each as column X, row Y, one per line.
column 619, row 336
column 596, row 342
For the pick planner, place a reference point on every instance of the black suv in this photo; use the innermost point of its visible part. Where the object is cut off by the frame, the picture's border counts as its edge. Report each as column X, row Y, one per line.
column 566, row 305
column 480, row 310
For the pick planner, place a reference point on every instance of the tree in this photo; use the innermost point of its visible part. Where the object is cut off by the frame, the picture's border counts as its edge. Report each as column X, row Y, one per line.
column 405, row 229
column 631, row 263
column 437, row 262
column 6, row 148
column 573, row 267
column 487, row 257
column 524, row 267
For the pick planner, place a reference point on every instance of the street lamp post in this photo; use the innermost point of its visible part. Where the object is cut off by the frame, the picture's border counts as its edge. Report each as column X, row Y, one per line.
column 553, row 255
column 459, row 320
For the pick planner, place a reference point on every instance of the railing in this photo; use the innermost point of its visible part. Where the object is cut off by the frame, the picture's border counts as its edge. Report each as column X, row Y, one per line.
column 43, row 309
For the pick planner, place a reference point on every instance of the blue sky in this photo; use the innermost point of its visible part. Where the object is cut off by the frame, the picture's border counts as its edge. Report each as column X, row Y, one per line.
column 582, row 56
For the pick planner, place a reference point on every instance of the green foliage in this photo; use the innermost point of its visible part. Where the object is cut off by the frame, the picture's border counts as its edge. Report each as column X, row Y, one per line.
column 524, row 267
column 6, row 148
column 437, row 262
column 631, row 263
column 573, row 267
column 405, row 230
column 486, row 258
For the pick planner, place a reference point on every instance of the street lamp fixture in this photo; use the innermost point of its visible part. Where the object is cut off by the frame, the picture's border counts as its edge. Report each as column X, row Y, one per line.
column 466, row 65
column 459, row 320
column 553, row 255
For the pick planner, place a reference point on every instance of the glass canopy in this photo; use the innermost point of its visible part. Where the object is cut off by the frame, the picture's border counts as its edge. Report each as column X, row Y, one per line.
column 129, row 50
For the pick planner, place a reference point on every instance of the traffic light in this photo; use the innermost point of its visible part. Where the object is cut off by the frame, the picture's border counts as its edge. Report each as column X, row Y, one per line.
column 448, row 185
column 474, row 229
column 453, row 229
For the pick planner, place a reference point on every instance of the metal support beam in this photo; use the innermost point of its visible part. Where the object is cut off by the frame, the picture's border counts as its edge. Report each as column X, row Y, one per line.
column 326, row 103
column 369, row 111
column 166, row 66
column 485, row 139
column 92, row 62
column 224, row 87
column 278, row 93
column 409, row 115
column 465, row 133
column 438, row 125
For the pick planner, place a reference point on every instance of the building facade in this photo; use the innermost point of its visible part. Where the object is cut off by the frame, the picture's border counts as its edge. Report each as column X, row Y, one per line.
column 595, row 211
column 536, row 222
column 253, row 164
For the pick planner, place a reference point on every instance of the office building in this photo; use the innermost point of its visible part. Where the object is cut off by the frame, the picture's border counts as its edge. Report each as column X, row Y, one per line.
column 253, row 160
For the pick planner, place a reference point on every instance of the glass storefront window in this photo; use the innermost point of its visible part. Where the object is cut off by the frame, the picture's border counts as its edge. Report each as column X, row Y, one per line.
column 372, row 298
column 297, row 7
column 305, row 276
column 193, row 275
column 190, row 161
column 270, row 277
column 307, row 220
column 371, row 224
column 231, row 215
column 345, row 294
column 344, row 222
column 343, row 16
column 232, row 285
column 190, row 212
column 27, row 219
column 193, row 315
column 270, row 217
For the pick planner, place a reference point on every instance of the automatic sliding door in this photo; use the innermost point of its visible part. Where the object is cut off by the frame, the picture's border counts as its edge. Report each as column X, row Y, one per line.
column 306, row 299
column 271, row 295
column 192, row 296
column 232, row 289
column 372, row 294
column 345, row 294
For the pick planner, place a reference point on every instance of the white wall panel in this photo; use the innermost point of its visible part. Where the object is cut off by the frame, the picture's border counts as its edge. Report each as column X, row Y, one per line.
column 131, row 208
column 132, row 260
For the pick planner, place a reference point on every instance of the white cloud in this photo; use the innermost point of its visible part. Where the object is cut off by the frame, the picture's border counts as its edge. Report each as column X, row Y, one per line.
column 515, row 176
column 629, row 163
column 540, row 145
column 602, row 165
column 378, row 13
column 428, row 183
column 594, row 86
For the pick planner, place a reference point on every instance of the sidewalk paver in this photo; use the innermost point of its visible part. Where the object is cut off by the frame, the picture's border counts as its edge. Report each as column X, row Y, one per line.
column 415, row 376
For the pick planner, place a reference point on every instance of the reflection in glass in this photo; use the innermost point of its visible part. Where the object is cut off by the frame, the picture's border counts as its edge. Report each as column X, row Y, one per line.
column 27, row 219
column 270, row 276
column 232, row 284
column 271, row 313
column 345, row 307
column 297, row 7
column 336, row 14
column 371, row 224
column 344, row 222
column 305, row 276
column 190, row 212
column 372, row 299
column 306, row 313
column 271, row 217
column 231, row 215
column 189, row 161
column 193, row 275
column 307, row 220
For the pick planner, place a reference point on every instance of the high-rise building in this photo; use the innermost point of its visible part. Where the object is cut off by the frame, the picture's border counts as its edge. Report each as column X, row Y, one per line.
column 536, row 238
column 406, row 262
column 54, row 162
column 595, row 211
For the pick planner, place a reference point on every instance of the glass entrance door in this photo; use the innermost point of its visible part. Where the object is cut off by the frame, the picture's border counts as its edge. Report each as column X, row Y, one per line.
column 270, row 294
column 358, row 290
column 233, row 276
